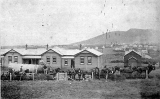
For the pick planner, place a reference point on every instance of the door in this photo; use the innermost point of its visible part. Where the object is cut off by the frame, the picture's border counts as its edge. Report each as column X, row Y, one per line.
column 132, row 62
column 72, row 63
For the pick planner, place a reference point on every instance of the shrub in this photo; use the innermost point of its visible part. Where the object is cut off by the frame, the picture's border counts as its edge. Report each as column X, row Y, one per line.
column 117, row 77
column 25, row 77
column 43, row 77
column 158, row 77
column 10, row 91
column 150, row 89
column 40, row 70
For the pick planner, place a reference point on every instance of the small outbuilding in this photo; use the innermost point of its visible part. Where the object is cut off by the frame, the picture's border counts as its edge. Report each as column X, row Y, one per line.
column 132, row 59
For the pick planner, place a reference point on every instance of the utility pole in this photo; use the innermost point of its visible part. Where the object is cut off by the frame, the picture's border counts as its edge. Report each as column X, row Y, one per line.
column 106, row 37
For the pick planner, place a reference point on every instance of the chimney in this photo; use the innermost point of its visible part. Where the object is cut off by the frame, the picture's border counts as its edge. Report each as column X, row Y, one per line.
column 26, row 46
column 47, row 47
column 80, row 47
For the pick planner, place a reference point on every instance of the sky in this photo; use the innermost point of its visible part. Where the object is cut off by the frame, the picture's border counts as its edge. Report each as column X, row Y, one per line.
column 53, row 22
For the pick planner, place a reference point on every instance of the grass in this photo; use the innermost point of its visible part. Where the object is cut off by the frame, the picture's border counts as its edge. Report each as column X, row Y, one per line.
column 115, row 88
column 96, row 89
column 68, row 90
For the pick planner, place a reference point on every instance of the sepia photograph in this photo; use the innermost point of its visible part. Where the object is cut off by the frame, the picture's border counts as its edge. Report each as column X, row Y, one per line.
column 80, row 49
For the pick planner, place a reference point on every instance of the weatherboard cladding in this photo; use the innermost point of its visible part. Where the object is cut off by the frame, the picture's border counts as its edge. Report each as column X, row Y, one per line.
column 85, row 66
column 130, row 56
column 58, row 53
column 12, row 54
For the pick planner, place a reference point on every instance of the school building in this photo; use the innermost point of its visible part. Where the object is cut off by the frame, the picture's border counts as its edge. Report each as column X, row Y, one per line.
column 54, row 57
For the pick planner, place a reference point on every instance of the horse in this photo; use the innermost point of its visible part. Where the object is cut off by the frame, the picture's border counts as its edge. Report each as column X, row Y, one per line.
column 105, row 72
column 57, row 70
column 143, row 69
column 96, row 72
column 5, row 76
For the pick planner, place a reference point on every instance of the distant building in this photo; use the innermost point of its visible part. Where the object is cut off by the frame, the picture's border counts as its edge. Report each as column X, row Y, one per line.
column 132, row 58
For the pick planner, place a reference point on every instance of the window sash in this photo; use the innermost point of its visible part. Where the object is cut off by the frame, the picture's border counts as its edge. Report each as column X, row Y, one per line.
column 9, row 59
column 89, row 59
column 65, row 62
column 81, row 60
column 54, row 59
column 16, row 59
column 48, row 59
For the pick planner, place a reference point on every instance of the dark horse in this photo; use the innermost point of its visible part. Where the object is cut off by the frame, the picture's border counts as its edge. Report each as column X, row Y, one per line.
column 105, row 72
column 143, row 69
column 96, row 72
column 71, row 73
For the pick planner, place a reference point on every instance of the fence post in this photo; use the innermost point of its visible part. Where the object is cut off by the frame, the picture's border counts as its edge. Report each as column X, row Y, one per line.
column 57, row 76
column 106, row 76
column 92, row 75
column 66, row 76
column 33, row 76
column 146, row 74
column 10, row 76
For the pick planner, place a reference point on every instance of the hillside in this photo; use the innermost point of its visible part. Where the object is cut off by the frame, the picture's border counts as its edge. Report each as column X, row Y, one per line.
column 130, row 36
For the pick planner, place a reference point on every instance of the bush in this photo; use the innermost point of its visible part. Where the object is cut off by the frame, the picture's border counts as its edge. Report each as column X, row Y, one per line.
column 158, row 77
column 25, row 77
column 10, row 91
column 150, row 89
column 43, row 77
column 40, row 70
column 117, row 77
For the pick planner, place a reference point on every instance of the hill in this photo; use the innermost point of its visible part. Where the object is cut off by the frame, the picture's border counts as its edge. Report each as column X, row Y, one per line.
column 131, row 36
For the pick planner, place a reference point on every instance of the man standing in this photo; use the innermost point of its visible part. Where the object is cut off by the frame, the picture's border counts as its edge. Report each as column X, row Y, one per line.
column 45, row 69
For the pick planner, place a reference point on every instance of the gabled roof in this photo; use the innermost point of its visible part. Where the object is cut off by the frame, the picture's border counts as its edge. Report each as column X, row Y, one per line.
column 40, row 51
column 93, row 51
column 127, row 52
column 11, row 50
column 52, row 50
column 67, row 52
column 3, row 51
column 25, row 52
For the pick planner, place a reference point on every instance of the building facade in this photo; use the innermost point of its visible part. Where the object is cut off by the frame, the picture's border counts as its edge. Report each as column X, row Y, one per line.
column 54, row 58
column 132, row 59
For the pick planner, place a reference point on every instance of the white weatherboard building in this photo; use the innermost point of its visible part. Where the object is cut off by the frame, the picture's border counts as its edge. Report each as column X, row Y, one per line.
column 53, row 58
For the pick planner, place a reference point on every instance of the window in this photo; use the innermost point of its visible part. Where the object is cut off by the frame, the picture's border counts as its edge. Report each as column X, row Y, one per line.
column 9, row 59
column 48, row 60
column 54, row 59
column 65, row 62
column 89, row 59
column 81, row 60
column 16, row 59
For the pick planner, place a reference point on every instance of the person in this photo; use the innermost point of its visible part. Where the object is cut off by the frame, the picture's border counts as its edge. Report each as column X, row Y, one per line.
column 21, row 69
column 45, row 69
column 83, row 75
column 79, row 73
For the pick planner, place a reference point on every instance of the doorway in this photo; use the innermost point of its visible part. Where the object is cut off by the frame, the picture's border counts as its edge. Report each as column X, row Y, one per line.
column 72, row 63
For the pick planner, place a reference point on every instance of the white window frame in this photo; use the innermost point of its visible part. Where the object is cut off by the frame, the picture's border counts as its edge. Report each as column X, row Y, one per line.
column 9, row 60
column 89, row 63
column 47, row 59
column 66, row 60
column 15, row 58
column 54, row 62
column 82, row 57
